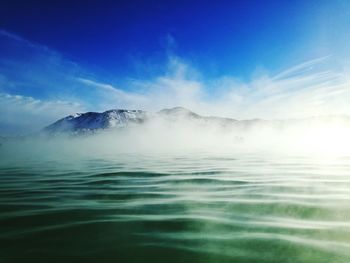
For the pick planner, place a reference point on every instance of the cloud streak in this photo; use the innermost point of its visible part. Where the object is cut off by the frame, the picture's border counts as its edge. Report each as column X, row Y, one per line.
column 38, row 85
column 301, row 91
column 20, row 114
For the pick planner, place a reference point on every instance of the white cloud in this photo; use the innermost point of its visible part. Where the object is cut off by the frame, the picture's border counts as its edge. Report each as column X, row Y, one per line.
column 52, row 86
column 301, row 91
column 20, row 114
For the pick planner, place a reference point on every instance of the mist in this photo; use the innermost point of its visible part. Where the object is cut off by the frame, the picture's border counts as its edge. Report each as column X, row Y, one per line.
column 175, row 131
column 306, row 88
column 325, row 137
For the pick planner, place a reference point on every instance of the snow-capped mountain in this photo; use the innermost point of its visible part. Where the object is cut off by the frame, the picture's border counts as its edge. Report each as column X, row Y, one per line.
column 119, row 118
column 92, row 121
column 178, row 117
column 179, row 113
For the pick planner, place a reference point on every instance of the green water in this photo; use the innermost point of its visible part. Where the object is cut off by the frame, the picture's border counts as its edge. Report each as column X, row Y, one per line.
column 195, row 207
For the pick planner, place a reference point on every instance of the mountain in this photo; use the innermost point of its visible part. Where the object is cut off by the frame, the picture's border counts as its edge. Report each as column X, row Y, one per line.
column 179, row 112
column 93, row 121
column 119, row 118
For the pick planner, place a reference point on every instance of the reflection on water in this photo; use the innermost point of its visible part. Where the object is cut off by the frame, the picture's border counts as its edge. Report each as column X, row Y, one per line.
column 175, row 208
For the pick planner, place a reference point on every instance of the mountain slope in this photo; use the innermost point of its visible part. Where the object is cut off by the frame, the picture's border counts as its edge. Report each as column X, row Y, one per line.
column 91, row 121
column 119, row 118
column 173, row 118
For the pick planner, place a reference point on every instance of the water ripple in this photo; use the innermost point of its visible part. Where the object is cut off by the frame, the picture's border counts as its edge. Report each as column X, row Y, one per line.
column 198, row 208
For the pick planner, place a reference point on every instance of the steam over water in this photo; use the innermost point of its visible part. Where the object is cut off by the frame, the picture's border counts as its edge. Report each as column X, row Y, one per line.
column 191, row 206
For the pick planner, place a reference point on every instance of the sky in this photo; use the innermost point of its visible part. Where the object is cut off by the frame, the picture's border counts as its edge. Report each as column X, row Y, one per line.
column 239, row 59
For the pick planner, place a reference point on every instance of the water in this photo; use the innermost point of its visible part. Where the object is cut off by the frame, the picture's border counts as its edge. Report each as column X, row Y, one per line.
column 228, row 207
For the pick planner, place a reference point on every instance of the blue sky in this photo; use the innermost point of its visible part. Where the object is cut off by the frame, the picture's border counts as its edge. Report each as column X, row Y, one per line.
column 242, row 59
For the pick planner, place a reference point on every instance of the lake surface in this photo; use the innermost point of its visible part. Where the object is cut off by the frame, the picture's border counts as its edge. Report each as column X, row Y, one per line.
column 229, row 207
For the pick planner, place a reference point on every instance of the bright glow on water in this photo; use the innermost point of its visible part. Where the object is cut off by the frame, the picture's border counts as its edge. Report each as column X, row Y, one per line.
column 230, row 206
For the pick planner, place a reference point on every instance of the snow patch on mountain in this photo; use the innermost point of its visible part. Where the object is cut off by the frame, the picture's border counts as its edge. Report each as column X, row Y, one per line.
column 120, row 118
column 91, row 121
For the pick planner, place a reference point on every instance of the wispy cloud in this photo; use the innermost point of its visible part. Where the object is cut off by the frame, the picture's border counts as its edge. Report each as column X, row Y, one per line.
column 112, row 97
column 42, row 85
column 304, row 90
column 21, row 114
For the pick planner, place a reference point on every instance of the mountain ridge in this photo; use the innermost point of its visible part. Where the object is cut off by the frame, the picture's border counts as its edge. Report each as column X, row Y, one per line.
column 90, row 122
column 121, row 118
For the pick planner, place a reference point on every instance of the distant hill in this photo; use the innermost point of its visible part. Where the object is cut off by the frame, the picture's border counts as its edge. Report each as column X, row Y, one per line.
column 120, row 118
column 91, row 122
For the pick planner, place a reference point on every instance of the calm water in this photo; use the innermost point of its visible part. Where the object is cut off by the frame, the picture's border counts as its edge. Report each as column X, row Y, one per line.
column 195, row 207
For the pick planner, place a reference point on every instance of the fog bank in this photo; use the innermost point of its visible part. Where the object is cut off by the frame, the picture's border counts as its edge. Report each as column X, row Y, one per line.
column 314, row 137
